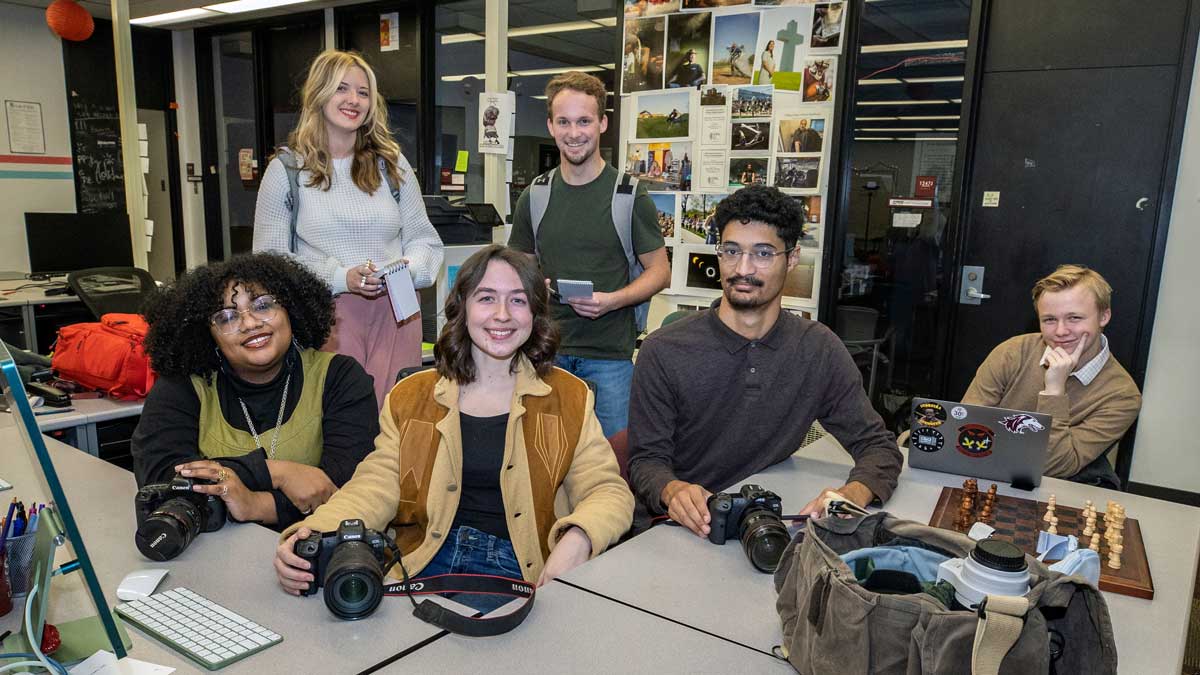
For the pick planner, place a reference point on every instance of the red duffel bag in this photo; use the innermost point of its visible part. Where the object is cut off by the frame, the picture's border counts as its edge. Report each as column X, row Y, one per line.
column 108, row 356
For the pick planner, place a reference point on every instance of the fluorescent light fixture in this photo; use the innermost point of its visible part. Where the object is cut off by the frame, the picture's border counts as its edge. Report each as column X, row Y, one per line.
column 172, row 17
column 544, row 29
column 873, row 138
column 543, row 97
column 914, row 46
column 947, row 78
column 882, row 80
column 905, row 102
column 935, row 138
column 899, row 129
column 956, row 100
column 923, row 117
column 878, row 119
column 239, row 6
column 536, row 71
column 948, row 129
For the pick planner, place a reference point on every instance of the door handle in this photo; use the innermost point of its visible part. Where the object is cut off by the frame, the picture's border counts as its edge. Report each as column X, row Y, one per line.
column 973, row 292
column 970, row 292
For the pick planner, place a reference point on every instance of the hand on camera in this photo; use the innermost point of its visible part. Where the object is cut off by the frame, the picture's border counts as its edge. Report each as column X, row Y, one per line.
column 242, row 503
column 291, row 569
column 687, row 504
column 853, row 492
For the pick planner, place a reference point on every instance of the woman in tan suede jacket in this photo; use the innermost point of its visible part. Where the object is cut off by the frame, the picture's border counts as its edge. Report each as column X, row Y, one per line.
column 470, row 456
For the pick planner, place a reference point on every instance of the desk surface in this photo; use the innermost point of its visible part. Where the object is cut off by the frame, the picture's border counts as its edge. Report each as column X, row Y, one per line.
column 690, row 580
column 34, row 294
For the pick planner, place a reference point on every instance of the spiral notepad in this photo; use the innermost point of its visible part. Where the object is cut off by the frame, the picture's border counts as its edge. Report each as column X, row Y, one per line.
column 400, row 290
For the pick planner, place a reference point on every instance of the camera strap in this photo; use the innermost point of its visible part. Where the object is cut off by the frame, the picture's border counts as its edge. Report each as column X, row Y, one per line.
column 445, row 618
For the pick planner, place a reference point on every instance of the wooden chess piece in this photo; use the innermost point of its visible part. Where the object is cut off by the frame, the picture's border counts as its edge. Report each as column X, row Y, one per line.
column 1049, row 512
column 1114, row 556
column 1095, row 545
column 1090, row 527
column 1053, row 529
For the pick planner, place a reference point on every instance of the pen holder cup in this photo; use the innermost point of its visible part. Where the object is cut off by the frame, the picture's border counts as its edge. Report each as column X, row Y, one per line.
column 6, row 604
column 18, row 564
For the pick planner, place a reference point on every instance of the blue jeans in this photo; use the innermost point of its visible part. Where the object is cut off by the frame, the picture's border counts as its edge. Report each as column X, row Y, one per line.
column 469, row 551
column 611, row 379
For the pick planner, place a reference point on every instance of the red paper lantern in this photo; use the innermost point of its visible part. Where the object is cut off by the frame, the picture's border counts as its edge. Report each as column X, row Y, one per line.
column 69, row 21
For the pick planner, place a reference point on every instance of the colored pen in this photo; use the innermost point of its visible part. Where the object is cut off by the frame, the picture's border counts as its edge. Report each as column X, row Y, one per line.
column 7, row 521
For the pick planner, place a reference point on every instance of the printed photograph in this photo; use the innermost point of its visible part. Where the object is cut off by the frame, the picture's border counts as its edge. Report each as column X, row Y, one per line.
column 799, row 282
column 713, row 96
column 662, row 167
column 819, row 76
column 642, row 58
column 827, row 25
column 745, row 171
column 662, row 115
column 695, row 219
column 801, row 134
column 752, row 102
column 703, row 272
column 637, row 8
column 664, row 205
column 688, row 36
column 782, row 46
column 797, row 172
column 811, row 206
column 734, row 37
column 750, row 136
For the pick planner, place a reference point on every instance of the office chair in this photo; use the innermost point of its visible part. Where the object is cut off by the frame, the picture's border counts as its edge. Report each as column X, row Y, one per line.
column 105, row 290
column 856, row 327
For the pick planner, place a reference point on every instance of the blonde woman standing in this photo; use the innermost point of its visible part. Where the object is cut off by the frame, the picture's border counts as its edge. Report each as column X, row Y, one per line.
column 348, row 221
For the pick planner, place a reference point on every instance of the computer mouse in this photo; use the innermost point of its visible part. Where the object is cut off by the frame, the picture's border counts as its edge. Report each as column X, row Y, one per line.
column 140, row 583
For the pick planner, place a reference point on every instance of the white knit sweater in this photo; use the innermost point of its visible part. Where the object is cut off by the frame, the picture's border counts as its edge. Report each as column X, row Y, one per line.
column 343, row 227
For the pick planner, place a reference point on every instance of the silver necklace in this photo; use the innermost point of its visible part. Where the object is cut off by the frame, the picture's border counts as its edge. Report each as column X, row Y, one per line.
column 278, row 419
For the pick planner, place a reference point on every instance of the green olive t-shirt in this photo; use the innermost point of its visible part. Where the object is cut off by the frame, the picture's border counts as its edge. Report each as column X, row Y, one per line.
column 577, row 240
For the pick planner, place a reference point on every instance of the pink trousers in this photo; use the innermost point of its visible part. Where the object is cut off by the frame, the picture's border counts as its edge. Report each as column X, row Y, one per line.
column 366, row 330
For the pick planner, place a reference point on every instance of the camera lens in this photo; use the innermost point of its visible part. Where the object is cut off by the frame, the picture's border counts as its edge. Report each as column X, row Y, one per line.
column 353, row 581
column 169, row 529
column 763, row 538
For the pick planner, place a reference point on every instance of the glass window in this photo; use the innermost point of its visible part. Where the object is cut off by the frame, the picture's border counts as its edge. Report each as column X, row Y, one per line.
column 459, row 69
column 889, row 281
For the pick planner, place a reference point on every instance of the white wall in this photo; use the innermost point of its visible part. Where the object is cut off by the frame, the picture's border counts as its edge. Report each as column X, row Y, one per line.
column 32, row 70
column 187, row 118
column 1167, row 450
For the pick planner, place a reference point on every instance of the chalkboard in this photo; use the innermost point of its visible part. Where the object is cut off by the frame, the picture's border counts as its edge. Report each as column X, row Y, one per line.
column 96, row 148
column 91, row 81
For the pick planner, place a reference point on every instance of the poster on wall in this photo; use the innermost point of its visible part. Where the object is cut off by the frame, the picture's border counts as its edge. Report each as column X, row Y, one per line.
column 638, row 8
column 819, row 79
column 643, row 54
column 782, row 46
column 26, row 134
column 389, row 32
column 734, row 38
column 688, row 37
column 495, row 121
column 827, row 27
column 714, row 117
column 661, row 166
column 664, row 206
column 665, row 115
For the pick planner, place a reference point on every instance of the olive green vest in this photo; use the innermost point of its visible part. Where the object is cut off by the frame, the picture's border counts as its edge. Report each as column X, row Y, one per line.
column 300, row 437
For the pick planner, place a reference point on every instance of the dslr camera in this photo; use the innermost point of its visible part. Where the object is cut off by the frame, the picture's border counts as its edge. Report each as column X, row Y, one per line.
column 349, row 563
column 170, row 515
column 755, row 515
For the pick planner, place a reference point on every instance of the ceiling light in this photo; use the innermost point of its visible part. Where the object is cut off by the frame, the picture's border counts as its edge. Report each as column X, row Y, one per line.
column 947, row 78
column 239, row 6
column 873, row 138
column 914, row 46
column 954, row 129
column 882, row 80
column 564, row 27
column 908, row 102
column 172, row 17
column 536, row 71
column 877, row 119
column 923, row 117
column 899, row 129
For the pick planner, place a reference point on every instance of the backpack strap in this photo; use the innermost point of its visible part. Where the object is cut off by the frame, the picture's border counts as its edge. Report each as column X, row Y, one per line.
column 288, row 160
column 624, row 196
column 393, row 186
column 1001, row 619
column 539, row 199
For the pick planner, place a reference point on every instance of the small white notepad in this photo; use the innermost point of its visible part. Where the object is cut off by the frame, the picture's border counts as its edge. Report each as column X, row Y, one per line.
column 401, row 292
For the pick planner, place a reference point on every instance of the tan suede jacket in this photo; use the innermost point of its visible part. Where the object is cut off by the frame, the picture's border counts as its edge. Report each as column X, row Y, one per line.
column 411, row 481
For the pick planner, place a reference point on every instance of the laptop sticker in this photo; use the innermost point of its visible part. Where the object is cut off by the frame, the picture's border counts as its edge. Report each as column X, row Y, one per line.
column 931, row 414
column 975, row 440
column 927, row 440
column 1020, row 423
column 958, row 412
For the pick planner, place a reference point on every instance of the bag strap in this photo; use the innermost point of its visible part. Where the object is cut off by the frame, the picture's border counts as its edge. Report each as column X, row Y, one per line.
column 393, row 187
column 288, row 160
column 624, row 191
column 539, row 199
column 1001, row 619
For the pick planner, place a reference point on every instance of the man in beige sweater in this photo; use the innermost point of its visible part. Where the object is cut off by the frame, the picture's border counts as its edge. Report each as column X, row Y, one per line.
column 1066, row 372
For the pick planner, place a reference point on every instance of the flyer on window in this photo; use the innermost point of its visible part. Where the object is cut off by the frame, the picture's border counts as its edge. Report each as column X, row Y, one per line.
column 496, row 111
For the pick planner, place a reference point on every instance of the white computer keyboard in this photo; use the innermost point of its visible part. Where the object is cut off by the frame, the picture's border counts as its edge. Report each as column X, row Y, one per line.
column 202, row 630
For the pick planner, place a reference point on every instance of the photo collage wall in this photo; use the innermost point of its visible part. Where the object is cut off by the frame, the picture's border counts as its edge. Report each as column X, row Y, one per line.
column 720, row 94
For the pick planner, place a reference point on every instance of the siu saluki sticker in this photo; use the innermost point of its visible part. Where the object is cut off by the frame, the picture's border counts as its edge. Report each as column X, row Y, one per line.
column 1022, row 422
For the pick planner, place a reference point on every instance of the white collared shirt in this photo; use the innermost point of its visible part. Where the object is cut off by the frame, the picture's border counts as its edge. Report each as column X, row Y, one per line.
column 1088, row 371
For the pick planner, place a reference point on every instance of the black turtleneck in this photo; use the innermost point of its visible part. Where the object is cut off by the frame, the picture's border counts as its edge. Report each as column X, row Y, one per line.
column 169, row 430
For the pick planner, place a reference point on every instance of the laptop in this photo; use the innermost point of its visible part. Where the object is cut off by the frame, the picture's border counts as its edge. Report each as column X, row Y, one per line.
column 979, row 441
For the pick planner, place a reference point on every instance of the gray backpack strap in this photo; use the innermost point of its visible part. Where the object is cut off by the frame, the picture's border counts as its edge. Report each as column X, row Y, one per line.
column 288, row 160
column 624, row 195
column 539, row 199
column 393, row 186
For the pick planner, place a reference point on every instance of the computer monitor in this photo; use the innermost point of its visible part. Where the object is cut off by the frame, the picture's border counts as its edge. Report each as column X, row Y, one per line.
column 485, row 214
column 60, row 243
column 35, row 445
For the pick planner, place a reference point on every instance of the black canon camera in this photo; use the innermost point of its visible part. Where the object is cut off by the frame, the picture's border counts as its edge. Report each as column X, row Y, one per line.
column 349, row 563
column 170, row 515
column 755, row 515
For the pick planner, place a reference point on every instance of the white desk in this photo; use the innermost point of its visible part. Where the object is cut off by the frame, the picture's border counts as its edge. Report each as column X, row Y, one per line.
column 673, row 573
column 28, row 299
column 83, row 419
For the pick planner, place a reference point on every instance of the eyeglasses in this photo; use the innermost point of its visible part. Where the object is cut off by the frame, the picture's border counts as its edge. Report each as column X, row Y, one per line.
column 229, row 320
column 759, row 257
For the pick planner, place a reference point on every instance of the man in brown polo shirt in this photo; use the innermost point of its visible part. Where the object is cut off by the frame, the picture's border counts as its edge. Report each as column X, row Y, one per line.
column 1067, row 372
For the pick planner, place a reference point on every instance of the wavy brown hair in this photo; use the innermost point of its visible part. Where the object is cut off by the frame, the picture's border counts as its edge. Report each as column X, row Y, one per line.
column 452, row 352
column 373, row 142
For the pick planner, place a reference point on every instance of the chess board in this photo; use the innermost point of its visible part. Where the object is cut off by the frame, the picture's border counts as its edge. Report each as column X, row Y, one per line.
column 1019, row 520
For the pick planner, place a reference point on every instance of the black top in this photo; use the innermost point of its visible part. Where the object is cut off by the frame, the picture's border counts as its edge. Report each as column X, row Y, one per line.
column 711, row 407
column 169, row 431
column 481, row 505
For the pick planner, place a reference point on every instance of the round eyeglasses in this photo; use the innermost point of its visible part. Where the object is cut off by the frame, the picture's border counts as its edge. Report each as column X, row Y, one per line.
column 229, row 320
column 759, row 257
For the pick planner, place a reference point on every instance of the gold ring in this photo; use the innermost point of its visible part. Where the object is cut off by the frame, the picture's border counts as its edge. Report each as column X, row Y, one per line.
column 222, row 475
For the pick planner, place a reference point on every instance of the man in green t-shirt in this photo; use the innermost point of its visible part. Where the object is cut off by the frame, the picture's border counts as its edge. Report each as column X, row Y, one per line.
column 577, row 240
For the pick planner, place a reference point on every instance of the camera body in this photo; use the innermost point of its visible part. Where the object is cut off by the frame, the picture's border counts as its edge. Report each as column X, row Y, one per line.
column 349, row 564
column 755, row 516
column 169, row 515
column 726, row 510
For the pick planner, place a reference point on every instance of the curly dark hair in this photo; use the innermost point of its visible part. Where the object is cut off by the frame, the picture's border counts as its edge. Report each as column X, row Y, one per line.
column 452, row 352
column 766, row 205
column 179, row 342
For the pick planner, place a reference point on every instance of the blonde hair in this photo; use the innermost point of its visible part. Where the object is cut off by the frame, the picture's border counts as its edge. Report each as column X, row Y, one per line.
column 580, row 82
column 309, row 140
column 1068, row 276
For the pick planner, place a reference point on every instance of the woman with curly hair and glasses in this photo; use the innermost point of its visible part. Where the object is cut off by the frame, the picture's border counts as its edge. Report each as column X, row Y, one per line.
column 357, row 209
column 471, row 455
column 244, row 398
